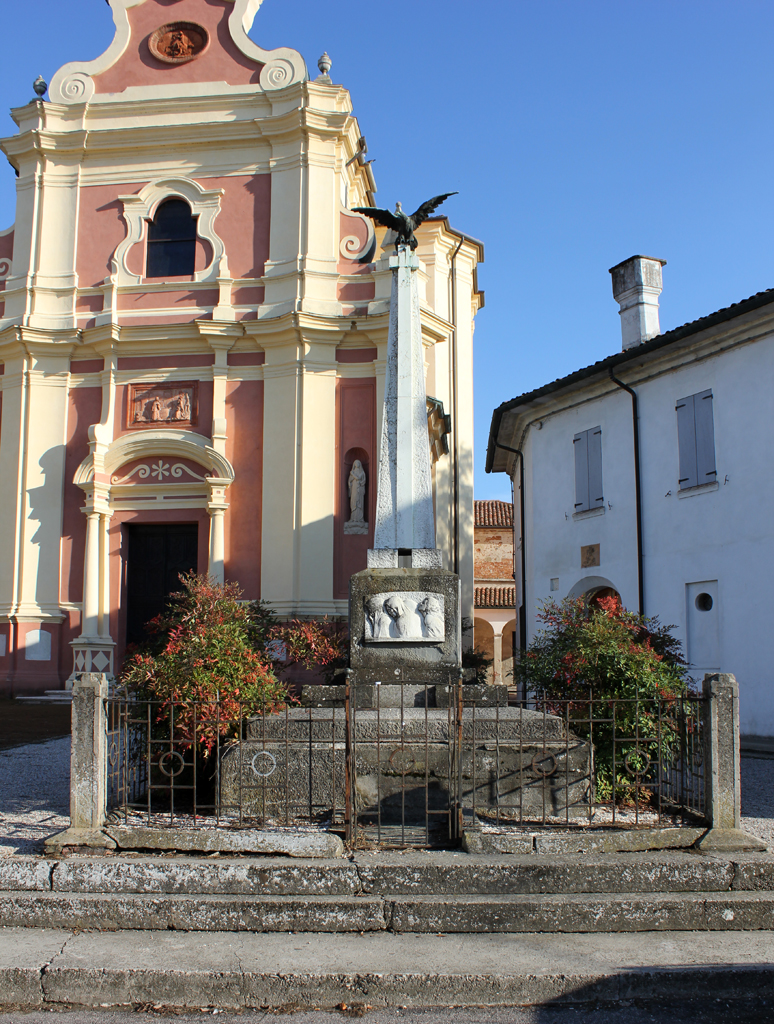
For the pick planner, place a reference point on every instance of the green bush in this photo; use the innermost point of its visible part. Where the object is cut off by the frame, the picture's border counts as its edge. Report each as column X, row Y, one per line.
column 619, row 678
column 201, row 661
column 212, row 659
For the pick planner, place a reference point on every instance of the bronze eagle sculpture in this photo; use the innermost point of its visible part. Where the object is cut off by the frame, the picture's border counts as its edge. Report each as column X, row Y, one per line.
column 401, row 223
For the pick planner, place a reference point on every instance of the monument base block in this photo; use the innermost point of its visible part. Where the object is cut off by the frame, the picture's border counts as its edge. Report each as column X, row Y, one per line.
column 405, row 626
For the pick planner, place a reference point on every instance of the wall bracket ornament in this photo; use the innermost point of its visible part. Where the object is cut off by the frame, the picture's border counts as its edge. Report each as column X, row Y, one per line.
column 74, row 82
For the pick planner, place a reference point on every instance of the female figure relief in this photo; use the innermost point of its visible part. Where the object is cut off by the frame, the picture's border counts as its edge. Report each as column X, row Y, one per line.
column 397, row 612
column 376, row 617
column 432, row 616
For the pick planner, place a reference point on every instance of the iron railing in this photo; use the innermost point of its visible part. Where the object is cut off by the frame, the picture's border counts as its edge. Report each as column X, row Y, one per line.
column 624, row 762
column 407, row 765
column 224, row 764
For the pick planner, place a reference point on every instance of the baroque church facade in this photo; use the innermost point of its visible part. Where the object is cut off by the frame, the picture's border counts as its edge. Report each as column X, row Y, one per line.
column 193, row 337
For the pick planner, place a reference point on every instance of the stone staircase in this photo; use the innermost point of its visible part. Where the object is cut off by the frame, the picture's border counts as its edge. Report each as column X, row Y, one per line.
column 401, row 893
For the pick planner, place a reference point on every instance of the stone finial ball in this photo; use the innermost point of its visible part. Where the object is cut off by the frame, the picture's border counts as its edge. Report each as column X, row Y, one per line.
column 324, row 64
column 40, row 85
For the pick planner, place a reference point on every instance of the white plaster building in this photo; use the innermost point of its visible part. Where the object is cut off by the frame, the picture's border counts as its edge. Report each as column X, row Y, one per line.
column 193, row 335
column 661, row 492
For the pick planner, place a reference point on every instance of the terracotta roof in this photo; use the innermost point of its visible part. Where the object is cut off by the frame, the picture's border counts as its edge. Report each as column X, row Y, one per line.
column 495, row 597
column 493, row 513
column 621, row 358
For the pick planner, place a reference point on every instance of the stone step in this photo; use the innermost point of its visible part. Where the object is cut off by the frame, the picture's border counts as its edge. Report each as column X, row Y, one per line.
column 464, row 914
column 54, row 970
column 390, row 875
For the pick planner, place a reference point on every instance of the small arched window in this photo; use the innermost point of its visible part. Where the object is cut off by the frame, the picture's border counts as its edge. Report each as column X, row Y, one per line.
column 172, row 241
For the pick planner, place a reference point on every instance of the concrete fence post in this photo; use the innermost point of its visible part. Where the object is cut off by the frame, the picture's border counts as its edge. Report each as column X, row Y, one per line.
column 722, row 767
column 722, row 786
column 88, row 765
column 88, row 753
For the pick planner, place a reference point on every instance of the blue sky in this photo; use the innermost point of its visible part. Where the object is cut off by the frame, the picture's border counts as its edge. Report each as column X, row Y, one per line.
column 578, row 132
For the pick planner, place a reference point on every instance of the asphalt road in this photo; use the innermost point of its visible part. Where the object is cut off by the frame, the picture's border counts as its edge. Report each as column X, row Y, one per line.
column 709, row 1012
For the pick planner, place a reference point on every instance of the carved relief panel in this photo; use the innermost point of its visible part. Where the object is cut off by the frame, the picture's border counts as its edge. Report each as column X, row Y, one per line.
column 178, row 42
column 408, row 616
column 160, row 405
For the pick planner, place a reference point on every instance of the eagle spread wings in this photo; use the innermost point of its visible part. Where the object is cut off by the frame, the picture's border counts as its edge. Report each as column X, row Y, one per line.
column 401, row 223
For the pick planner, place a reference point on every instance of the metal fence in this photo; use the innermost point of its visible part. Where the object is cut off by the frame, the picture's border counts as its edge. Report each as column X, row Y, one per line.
column 403, row 754
column 224, row 764
column 636, row 762
column 408, row 765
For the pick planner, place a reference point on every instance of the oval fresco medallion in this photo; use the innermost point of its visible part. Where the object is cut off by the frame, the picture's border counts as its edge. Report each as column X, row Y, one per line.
column 178, row 42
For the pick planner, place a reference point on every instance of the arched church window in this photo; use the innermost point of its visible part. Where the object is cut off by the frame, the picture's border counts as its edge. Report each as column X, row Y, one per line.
column 172, row 241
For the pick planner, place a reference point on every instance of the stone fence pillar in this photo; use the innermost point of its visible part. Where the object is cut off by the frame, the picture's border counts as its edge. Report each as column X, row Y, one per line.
column 88, row 765
column 722, row 767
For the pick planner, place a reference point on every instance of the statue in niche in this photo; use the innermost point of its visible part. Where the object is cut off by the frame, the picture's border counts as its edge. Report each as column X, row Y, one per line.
column 432, row 617
column 356, row 488
column 396, row 609
column 378, row 619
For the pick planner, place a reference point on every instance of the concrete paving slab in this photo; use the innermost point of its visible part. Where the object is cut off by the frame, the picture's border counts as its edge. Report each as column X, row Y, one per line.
column 629, row 872
column 707, row 1010
column 24, row 953
column 292, row 843
column 25, row 873
column 236, row 970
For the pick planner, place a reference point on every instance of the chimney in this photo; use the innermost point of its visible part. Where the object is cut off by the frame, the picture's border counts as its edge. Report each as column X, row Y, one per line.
column 636, row 287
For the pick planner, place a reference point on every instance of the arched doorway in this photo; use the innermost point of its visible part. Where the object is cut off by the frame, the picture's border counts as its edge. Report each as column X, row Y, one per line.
column 484, row 641
column 173, row 483
column 592, row 588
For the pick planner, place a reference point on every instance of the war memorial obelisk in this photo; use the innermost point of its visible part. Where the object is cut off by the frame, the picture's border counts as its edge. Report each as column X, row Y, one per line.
column 404, row 609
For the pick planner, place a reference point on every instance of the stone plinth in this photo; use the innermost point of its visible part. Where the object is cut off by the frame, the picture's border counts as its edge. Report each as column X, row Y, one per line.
column 413, row 647
column 407, row 695
column 519, row 761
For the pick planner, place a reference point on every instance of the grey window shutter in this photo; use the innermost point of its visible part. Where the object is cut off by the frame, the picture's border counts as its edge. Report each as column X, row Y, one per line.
column 595, row 468
column 705, row 437
column 686, row 440
column 581, row 447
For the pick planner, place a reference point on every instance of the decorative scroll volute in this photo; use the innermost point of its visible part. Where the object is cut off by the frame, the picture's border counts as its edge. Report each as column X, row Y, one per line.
column 159, row 470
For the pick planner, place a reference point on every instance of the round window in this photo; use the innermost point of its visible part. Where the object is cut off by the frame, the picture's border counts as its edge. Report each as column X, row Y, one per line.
column 704, row 602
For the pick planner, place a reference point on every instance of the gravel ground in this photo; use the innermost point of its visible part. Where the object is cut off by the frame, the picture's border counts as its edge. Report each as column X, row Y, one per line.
column 34, row 795
column 758, row 798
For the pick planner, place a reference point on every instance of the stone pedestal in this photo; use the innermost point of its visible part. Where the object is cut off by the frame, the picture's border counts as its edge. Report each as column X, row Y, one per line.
column 405, row 626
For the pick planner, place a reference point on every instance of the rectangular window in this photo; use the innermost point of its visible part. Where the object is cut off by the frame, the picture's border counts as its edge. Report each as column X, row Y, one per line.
column 696, row 440
column 588, row 469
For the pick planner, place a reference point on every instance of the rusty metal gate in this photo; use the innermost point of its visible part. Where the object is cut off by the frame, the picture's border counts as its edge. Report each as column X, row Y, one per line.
column 402, row 764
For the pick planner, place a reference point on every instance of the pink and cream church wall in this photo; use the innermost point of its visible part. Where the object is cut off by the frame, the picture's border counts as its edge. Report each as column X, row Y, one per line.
column 231, row 402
